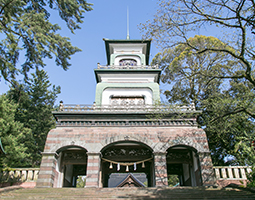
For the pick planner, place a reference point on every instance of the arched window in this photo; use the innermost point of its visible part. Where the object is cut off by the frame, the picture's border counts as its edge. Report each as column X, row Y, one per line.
column 128, row 62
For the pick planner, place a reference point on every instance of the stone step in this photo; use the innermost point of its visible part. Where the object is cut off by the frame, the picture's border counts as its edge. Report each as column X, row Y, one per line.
column 128, row 193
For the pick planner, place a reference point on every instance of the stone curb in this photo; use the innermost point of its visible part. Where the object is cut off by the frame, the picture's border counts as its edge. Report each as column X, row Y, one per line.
column 10, row 188
column 241, row 188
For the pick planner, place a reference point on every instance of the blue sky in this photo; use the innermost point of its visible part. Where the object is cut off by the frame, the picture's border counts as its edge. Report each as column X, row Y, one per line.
column 108, row 19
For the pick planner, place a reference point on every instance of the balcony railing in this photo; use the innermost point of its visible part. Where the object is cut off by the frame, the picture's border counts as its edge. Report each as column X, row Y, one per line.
column 127, row 67
column 126, row 108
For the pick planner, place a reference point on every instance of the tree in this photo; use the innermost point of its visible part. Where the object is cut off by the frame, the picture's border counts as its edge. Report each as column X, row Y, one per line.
column 246, row 148
column 36, row 100
column 177, row 20
column 14, row 136
column 185, row 71
column 26, row 30
column 81, row 182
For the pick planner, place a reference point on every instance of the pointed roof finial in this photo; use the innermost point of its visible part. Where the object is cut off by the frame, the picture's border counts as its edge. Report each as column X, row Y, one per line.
column 127, row 25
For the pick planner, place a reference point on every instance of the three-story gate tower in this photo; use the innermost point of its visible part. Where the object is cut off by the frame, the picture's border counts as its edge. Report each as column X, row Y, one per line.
column 126, row 129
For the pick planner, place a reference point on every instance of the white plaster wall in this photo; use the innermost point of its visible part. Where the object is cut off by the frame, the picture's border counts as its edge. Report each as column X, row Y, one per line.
column 128, row 48
column 60, row 173
column 127, row 92
column 127, row 78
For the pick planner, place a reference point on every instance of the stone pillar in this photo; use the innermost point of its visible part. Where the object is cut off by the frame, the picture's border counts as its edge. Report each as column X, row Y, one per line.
column 160, row 169
column 206, row 166
column 47, row 172
column 93, row 170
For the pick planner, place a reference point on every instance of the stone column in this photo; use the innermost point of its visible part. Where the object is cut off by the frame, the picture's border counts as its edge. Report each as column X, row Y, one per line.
column 47, row 172
column 206, row 166
column 93, row 170
column 160, row 169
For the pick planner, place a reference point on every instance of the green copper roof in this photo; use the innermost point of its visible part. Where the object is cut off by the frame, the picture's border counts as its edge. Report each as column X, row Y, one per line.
column 108, row 42
column 127, row 71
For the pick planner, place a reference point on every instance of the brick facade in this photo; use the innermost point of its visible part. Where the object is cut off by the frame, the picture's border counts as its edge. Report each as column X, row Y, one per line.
column 93, row 170
column 95, row 138
column 160, row 167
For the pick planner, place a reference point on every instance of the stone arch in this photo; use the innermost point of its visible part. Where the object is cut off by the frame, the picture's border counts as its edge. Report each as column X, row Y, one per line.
column 65, row 147
column 71, row 163
column 127, row 138
column 184, row 146
column 75, row 141
column 123, row 157
column 125, row 141
column 179, row 141
column 183, row 163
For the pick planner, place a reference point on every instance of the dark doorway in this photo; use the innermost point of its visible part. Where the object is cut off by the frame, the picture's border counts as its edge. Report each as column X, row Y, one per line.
column 124, row 158
column 183, row 167
column 74, row 164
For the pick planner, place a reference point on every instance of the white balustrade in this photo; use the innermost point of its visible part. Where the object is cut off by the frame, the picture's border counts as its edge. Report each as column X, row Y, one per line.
column 19, row 175
column 31, row 174
column 127, row 66
column 231, row 172
column 126, row 108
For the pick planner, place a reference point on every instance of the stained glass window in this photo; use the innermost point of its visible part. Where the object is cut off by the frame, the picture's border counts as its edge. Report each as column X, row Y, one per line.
column 128, row 62
column 127, row 101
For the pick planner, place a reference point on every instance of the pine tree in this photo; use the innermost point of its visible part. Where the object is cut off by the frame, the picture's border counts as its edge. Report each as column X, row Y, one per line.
column 13, row 136
column 35, row 105
column 28, row 36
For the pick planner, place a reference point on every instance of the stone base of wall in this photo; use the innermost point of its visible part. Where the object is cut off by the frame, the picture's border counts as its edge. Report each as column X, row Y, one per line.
column 224, row 183
column 21, row 184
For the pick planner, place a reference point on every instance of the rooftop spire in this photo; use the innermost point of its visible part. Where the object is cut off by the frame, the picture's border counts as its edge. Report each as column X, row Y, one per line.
column 127, row 25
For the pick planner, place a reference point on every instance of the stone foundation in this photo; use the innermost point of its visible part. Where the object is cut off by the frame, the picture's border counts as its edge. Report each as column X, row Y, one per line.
column 94, row 139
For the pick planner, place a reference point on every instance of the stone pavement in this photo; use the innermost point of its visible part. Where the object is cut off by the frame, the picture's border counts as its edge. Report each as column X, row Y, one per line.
column 204, row 193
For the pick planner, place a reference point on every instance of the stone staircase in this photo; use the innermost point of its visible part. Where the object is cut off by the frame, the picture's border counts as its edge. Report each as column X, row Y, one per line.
column 128, row 193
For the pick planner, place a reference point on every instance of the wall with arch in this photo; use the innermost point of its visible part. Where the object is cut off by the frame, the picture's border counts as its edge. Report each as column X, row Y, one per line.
column 94, row 139
column 158, row 139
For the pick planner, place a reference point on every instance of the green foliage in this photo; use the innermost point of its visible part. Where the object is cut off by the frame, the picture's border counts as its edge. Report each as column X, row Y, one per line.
column 173, row 180
column 245, row 149
column 26, row 30
column 251, row 178
column 36, row 101
column 226, row 124
column 227, row 104
column 81, row 182
column 13, row 136
column 176, row 20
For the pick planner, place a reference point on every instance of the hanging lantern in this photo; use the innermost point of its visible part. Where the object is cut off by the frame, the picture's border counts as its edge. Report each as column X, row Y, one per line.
column 111, row 166
column 143, row 165
column 118, row 167
column 127, row 169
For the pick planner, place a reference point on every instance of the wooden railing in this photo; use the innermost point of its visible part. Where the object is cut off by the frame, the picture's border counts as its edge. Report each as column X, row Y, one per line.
column 231, row 172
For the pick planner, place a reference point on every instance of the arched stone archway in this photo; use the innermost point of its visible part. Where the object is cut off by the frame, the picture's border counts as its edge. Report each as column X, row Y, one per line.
column 183, row 166
column 71, row 163
column 123, row 157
